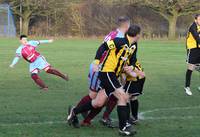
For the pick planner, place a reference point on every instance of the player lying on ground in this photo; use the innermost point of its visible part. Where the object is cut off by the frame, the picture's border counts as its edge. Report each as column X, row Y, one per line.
column 119, row 52
column 193, row 51
column 123, row 23
column 27, row 50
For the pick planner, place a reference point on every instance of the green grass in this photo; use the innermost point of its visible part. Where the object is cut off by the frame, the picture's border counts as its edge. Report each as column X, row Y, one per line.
column 22, row 102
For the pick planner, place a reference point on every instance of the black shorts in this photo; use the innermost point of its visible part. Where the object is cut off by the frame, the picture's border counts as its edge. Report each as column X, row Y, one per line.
column 109, row 82
column 193, row 56
column 134, row 88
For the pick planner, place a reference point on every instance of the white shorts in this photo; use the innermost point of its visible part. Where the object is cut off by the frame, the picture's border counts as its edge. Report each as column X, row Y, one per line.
column 39, row 64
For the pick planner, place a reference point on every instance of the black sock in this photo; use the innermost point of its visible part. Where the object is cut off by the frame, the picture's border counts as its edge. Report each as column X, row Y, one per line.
column 188, row 78
column 134, row 108
column 122, row 116
column 83, row 108
column 128, row 111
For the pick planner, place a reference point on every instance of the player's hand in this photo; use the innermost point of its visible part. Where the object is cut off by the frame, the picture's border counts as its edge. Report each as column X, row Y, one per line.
column 140, row 73
column 128, row 69
column 51, row 40
column 95, row 67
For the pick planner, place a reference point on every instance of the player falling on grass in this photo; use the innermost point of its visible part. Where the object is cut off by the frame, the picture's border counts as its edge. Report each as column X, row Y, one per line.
column 123, row 25
column 27, row 50
column 193, row 51
column 119, row 52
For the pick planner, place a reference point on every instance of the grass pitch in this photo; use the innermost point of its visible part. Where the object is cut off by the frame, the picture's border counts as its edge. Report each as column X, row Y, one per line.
column 28, row 112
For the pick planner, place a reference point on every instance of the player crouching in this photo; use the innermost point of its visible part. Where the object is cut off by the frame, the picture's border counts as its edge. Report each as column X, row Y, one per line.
column 27, row 50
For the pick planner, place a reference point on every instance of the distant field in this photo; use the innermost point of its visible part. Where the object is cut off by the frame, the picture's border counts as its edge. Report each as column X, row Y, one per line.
column 28, row 112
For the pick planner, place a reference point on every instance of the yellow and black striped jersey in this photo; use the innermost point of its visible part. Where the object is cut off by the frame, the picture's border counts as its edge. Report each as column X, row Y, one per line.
column 139, row 67
column 119, row 52
column 193, row 37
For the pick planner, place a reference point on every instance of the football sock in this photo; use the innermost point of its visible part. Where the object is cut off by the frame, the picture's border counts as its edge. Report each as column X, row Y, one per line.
column 134, row 108
column 38, row 81
column 93, row 113
column 57, row 73
column 84, row 100
column 122, row 116
column 188, row 78
column 112, row 102
column 128, row 111
column 82, row 108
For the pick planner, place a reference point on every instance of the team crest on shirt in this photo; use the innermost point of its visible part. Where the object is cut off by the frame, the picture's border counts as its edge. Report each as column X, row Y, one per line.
column 130, row 50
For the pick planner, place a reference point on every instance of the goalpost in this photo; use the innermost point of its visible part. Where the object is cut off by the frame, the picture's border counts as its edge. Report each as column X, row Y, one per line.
column 7, row 24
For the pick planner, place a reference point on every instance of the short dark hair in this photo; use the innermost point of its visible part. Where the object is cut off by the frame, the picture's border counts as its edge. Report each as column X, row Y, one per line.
column 197, row 15
column 22, row 36
column 122, row 19
column 134, row 30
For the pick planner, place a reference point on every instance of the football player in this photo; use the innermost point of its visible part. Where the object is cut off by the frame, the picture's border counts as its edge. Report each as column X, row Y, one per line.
column 193, row 51
column 27, row 51
column 119, row 52
column 123, row 25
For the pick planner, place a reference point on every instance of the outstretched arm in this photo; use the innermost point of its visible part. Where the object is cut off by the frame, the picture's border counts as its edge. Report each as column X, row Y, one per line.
column 45, row 41
column 15, row 61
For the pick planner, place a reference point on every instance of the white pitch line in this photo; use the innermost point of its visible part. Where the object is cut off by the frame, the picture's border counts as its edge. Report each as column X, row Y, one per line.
column 141, row 116
column 32, row 123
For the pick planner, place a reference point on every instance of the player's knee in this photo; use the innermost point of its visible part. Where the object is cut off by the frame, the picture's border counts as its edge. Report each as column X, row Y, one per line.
column 34, row 75
column 47, row 69
column 121, row 95
column 97, row 104
column 92, row 95
column 191, row 67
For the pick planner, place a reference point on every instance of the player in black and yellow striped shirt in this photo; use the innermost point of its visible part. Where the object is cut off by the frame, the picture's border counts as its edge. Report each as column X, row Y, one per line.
column 193, row 51
column 119, row 53
column 134, row 87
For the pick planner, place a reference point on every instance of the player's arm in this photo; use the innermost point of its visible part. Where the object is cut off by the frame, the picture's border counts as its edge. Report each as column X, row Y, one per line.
column 195, row 34
column 15, row 61
column 98, row 56
column 45, row 41
column 100, row 52
column 35, row 43
column 130, row 68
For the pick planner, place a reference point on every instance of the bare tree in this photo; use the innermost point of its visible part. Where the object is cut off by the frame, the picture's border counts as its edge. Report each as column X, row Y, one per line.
column 30, row 8
column 171, row 10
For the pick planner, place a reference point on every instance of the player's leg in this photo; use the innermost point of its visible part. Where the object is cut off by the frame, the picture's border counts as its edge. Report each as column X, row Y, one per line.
column 110, row 105
column 92, row 95
column 38, row 80
column 96, row 103
column 42, row 64
column 191, row 60
column 56, row 72
column 93, row 90
column 134, row 88
column 110, row 82
column 134, row 106
column 123, row 112
column 34, row 70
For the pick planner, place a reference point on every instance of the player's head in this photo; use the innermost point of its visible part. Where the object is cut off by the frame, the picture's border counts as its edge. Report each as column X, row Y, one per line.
column 197, row 19
column 134, row 33
column 123, row 23
column 23, row 39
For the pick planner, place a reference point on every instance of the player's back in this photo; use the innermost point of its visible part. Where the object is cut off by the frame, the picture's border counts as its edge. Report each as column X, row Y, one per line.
column 114, row 34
